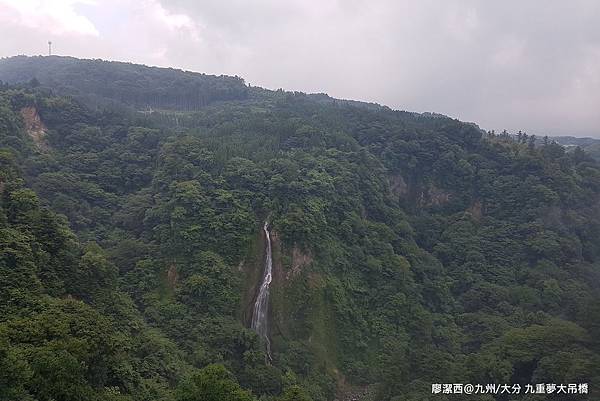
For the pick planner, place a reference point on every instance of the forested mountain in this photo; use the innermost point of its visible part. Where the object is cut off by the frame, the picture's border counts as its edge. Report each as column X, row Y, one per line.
column 407, row 249
column 590, row 145
column 101, row 83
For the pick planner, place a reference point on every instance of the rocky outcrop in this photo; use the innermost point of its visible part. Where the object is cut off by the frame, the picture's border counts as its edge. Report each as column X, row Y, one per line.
column 34, row 127
column 300, row 259
column 476, row 210
column 432, row 196
column 398, row 185
column 437, row 196
column 418, row 195
column 172, row 276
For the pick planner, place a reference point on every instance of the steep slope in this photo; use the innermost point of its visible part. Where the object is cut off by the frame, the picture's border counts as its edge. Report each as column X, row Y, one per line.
column 407, row 249
column 66, row 331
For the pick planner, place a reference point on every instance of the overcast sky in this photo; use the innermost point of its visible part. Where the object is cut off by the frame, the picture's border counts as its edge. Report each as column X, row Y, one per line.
column 516, row 64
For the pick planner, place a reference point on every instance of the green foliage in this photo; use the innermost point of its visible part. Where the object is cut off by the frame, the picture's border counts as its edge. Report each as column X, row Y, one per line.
column 409, row 249
column 294, row 393
column 213, row 383
column 101, row 83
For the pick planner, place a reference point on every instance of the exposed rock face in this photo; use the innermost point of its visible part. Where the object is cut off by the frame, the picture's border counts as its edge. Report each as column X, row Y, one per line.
column 260, row 316
column 476, row 210
column 432, row 196
column 437, row 196
column 278, row 270
column 252, row 268
column 34, row 127
column 172, row 275
column 300, row 259
column 398, row 185
column 421, row 196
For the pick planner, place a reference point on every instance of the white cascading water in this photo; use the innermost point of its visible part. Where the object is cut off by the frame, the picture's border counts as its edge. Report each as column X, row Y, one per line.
column 261, row 306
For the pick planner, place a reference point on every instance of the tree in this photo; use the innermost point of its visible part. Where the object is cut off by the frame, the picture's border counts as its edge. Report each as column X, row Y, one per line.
column 294, row 393
column 212, row 383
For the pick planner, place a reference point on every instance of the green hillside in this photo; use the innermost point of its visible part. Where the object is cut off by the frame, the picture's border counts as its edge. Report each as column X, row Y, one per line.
column 102, row 83
column 408, row 249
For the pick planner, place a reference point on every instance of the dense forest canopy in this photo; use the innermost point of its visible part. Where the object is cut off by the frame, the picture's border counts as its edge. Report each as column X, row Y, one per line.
column 98, row 82
column 409, row 249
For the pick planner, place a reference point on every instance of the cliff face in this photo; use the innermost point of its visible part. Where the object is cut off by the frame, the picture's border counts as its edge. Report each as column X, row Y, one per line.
column 287, row 274
column 34, row 127
column 251, row 268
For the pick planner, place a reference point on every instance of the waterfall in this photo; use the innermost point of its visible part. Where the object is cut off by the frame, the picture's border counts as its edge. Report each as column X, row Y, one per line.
column 261, row 306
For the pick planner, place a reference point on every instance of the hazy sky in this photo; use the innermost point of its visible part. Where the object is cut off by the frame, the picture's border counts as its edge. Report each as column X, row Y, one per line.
column 516, row 64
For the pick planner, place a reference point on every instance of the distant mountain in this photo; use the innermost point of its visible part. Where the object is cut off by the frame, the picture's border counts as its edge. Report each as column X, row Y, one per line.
column 98, row 82
column 590, row 145
column 574, row 141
